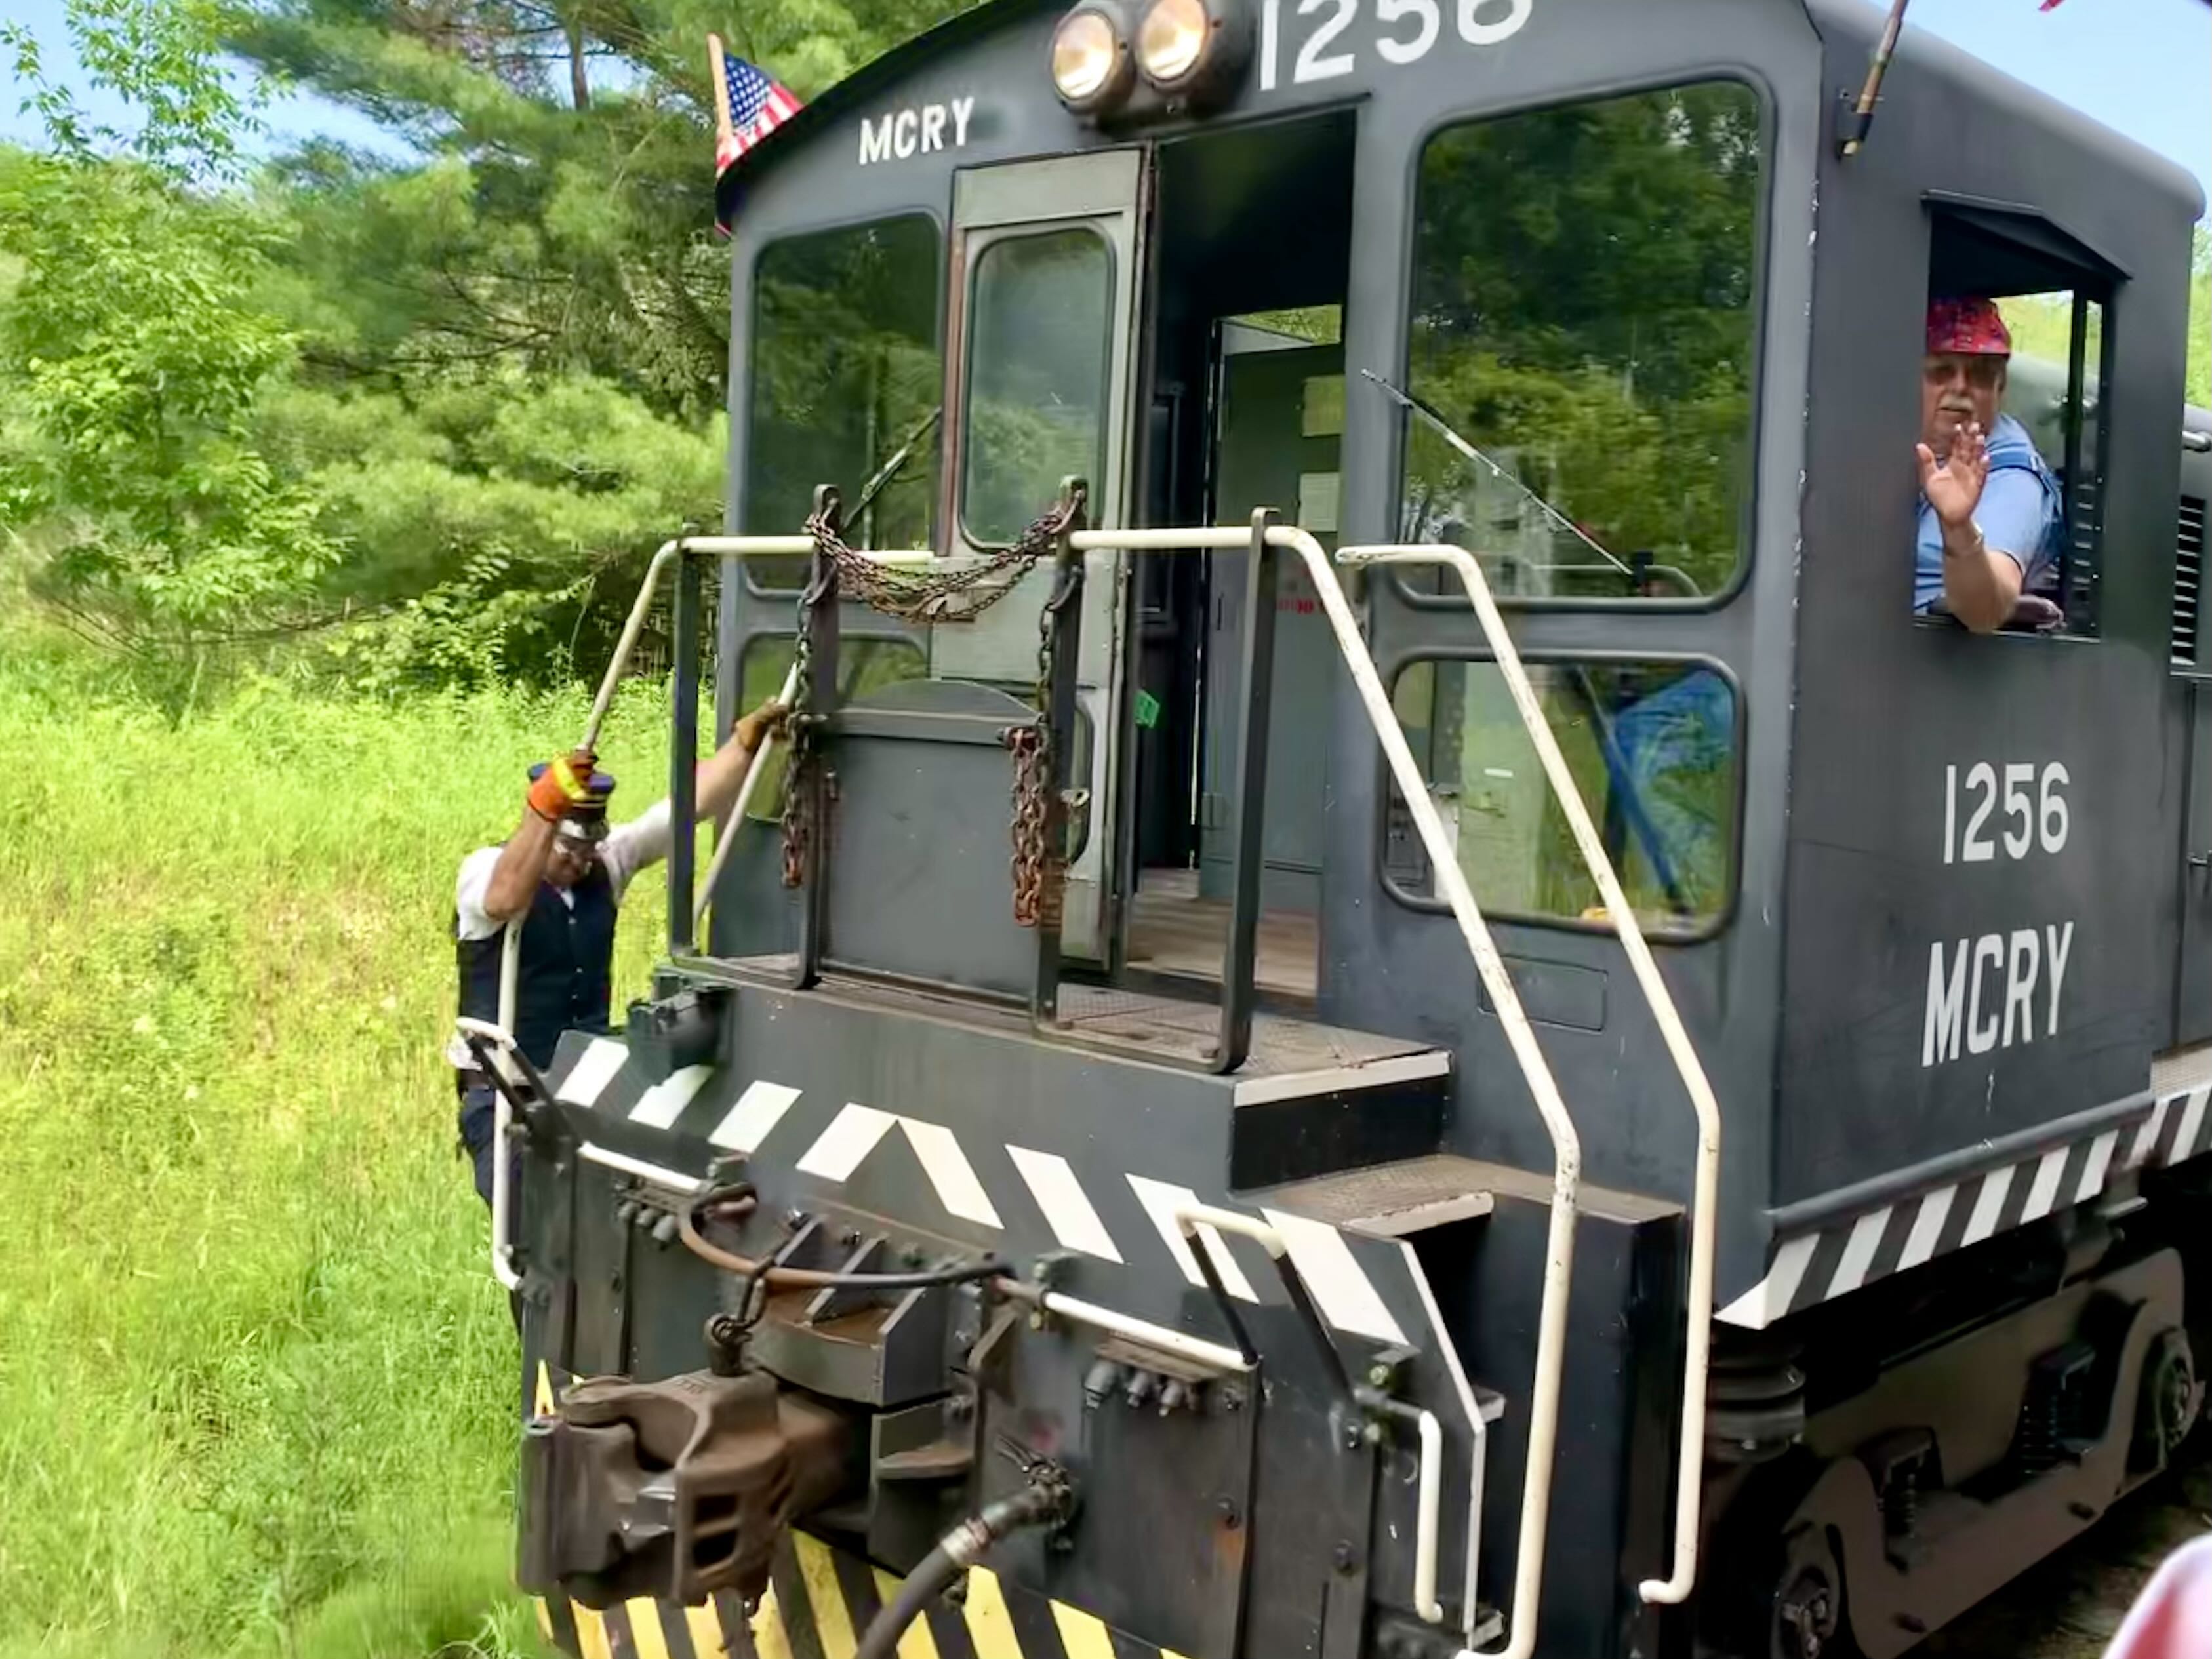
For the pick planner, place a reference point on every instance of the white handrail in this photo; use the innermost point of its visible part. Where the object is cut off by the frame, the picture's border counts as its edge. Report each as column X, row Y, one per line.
column 510, row 956
column 1190, row 1218
column 659, row 1175
column 1424, row 1524
column 1675, row 1588
column 726, row 838
column 708, row 546
column 503, row 1249
column 1520, row 1034
column 1163, row 1337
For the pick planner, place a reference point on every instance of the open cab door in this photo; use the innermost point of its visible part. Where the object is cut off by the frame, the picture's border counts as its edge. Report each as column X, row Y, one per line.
column 1045, row 261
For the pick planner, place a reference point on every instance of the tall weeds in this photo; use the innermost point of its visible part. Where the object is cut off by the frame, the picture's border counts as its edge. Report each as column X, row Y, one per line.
column 256, row 1386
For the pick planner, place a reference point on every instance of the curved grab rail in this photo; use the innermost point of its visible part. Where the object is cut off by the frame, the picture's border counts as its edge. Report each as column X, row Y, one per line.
column 1520, row 1034
column 1677, row 1586
column 510, row 961
column 641, row 607
column 502, row 1123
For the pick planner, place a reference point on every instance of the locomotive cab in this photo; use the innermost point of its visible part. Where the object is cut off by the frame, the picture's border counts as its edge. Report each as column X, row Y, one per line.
column 1391, row 997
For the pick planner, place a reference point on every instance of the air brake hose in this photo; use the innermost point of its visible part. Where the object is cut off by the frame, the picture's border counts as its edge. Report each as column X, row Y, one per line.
column 1035, row 1505
column 814, row 1278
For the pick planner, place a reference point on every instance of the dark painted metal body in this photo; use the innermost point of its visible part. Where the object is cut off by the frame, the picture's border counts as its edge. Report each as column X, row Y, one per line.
column 1850, row 709
column 1807, row 1000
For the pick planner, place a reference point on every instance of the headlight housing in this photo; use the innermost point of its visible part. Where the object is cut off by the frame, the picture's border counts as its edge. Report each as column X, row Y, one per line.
column 1172, row 41
column 1092, row 69
column 1191, row 51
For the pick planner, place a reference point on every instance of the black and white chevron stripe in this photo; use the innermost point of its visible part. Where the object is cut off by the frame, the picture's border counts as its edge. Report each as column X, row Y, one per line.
column 597, row 1079
column 1836, row 1260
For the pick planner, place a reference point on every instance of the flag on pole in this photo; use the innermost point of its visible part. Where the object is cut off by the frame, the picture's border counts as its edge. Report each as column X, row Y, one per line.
column 748, row 106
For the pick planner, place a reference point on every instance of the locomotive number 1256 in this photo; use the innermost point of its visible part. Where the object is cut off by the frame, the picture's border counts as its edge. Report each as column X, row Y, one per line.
column 2034, row 810
column 1999, row 989
column 1403, row 32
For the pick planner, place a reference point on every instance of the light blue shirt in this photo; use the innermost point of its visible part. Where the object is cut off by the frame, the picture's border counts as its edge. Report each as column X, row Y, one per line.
column 2021, row 513
column 1668, row 751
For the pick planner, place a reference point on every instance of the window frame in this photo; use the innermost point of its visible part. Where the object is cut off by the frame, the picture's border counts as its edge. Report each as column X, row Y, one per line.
column 2095, row 280
column 754, row 587
column 1762, row 266
column 782, row 634
column 1710, row 927
column 1000, row 236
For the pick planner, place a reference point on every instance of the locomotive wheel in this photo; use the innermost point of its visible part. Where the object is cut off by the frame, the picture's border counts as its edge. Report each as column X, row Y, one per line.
column 2166, row 1409
column 1783, row 1595
column 1805, row 1617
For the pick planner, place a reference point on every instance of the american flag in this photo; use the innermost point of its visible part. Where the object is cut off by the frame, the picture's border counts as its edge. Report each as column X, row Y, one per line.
column 757, row 106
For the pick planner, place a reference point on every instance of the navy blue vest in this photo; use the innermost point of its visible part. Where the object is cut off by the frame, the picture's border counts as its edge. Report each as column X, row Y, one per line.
column 567, row 954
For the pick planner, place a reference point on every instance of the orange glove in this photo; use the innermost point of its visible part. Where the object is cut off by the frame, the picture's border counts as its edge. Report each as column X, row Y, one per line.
column 563, row 785
column 768, row 718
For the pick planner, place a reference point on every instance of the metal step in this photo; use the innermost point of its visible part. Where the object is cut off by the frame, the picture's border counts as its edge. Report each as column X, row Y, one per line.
column 1394, row 1200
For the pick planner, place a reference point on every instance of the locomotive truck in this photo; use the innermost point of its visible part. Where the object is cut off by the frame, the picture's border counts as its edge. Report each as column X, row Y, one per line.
column 1385, row 999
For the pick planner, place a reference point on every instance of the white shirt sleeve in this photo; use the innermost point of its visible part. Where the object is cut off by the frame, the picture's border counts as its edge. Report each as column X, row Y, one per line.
column 468, row 894
column 630, row 847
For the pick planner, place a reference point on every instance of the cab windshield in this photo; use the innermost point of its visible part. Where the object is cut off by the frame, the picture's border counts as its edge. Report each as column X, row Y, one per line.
column 846, row 373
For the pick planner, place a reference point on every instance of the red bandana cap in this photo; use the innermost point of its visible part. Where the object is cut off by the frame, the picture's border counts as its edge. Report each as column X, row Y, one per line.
column 1972, row 328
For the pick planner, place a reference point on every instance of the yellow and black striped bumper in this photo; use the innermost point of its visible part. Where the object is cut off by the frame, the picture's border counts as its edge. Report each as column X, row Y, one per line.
column 819, row 1601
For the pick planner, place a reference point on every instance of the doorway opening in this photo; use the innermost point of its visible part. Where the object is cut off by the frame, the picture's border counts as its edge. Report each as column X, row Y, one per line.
column 1252, row 239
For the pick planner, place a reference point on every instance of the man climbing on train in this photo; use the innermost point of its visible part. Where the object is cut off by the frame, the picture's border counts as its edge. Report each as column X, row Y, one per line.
column 1991, row 514
column 563, row 872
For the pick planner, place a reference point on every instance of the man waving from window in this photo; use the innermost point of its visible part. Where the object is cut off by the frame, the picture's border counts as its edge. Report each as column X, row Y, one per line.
column 1991, row 516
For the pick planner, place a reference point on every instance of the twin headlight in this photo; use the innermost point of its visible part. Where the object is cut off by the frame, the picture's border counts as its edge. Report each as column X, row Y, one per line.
column 1186, row 50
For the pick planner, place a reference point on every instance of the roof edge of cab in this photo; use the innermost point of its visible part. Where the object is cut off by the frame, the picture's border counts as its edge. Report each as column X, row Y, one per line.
column 867, row 81
column 1856, row 22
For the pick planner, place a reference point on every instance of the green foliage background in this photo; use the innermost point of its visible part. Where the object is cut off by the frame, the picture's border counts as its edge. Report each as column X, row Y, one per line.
column 258, row 1388
column 319, row 478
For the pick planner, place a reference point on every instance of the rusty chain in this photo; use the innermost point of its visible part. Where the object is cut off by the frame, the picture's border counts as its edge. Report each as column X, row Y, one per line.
column 957, row 595
column 1038, row 824
column 798, row 766
column 1032, row 784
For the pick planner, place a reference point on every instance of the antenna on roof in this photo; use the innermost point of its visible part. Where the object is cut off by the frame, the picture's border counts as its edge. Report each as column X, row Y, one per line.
column 1870, row 94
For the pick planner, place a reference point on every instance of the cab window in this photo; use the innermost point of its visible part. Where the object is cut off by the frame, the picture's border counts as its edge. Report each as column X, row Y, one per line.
column 865, row 662
column 1037, row 370
column 2015, row 342
column 1582, row 316
column 846, row 373
column 1653, row 746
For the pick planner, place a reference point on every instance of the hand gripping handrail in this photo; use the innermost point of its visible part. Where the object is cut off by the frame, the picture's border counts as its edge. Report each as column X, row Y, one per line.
column 716, row 547
column 1520, row 1034
column 510, row 959
column 1676, row 1588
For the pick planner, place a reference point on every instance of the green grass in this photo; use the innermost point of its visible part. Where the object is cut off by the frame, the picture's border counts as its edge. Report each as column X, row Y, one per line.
column 257, row 1388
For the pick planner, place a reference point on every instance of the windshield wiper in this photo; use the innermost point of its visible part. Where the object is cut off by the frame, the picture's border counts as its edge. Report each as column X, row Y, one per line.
column 1444, row 429
column 890, row 469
